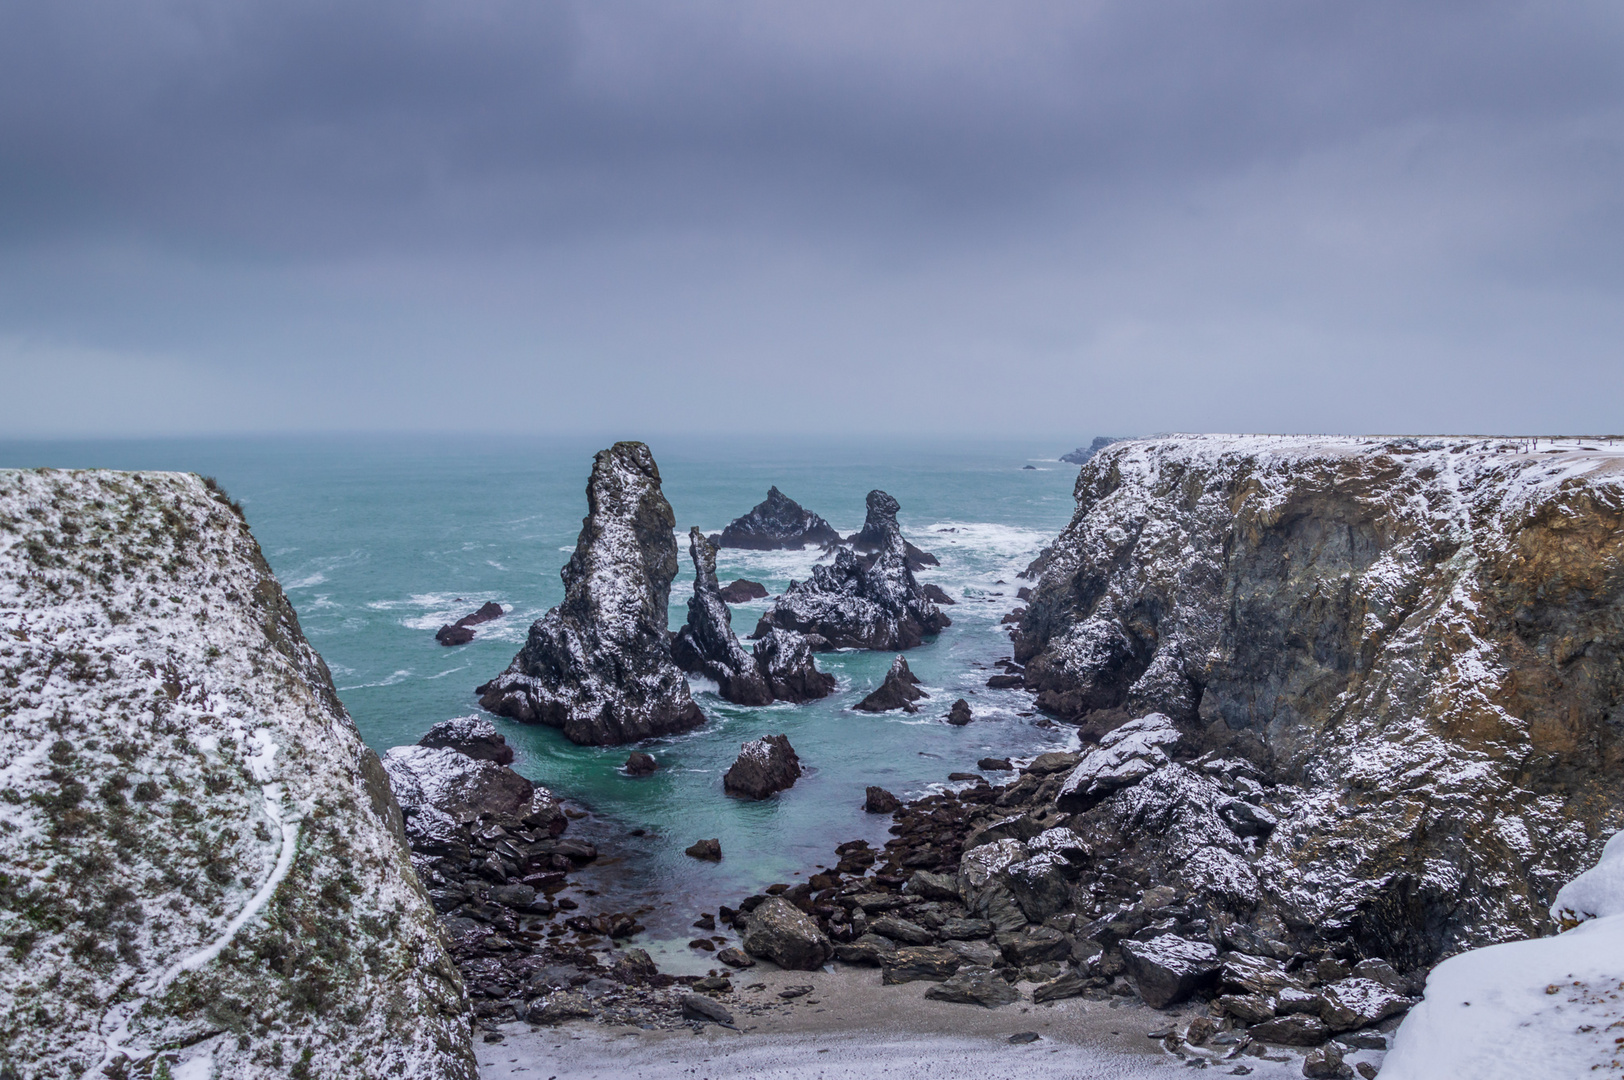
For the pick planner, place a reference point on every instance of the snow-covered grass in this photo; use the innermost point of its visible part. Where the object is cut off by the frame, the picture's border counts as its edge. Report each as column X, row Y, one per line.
column 1529, row 1010
column 196, row 869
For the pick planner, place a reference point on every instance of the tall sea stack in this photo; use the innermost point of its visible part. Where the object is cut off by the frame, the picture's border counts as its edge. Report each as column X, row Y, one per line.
column 598, row 666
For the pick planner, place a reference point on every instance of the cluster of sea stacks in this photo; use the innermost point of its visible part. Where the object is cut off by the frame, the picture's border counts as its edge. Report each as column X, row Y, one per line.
column 603, row 668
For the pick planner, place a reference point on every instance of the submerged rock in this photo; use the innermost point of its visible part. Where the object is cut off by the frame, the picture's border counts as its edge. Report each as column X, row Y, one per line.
column 781, row 932
column 195, row 835
column 461, row 632
column 879, row 523
column 777, row 522
column 741, row 591
column 705, row 645
column 764, row 767
column 864, row 603
column 899, row 691
column 1405, row 648
column 598, row 666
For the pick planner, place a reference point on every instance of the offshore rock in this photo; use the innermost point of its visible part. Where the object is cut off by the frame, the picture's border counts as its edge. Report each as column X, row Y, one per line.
column 740, row 591
column 705, row 645
column 777, row 522
column 959, row 714
column 598, row 666
column 880, row 801
column 197, row 841
column 640, row 764
column 868, row 603
column 936, row 594
column 781, row 932
column 784, row 659
column 1404, row 656
column 461, row 632
column 473, row 736
column 878, row 524
column 764, row 767
column 899, row 691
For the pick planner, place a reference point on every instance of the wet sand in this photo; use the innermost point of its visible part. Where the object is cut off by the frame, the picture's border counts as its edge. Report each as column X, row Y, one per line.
column 852, row 1028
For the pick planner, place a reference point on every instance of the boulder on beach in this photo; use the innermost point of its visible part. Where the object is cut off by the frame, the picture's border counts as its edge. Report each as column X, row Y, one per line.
column 598, row 666
column 899, row 691
column 781, row 932
column 740, row 590
column 777, row 522
column 864, row 602
column 706, row 645
column 764, row 767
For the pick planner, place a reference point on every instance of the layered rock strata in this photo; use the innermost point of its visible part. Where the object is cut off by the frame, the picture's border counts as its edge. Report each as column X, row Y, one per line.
column 777, row 522
column 872, row 602
column 202, row 868
column 598, row 666
column 1390, row 671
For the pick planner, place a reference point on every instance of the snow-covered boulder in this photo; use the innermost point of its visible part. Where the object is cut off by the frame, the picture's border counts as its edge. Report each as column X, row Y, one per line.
column 598, row 666
column 1597, row 893
column 202, row 869
column 1124, row 756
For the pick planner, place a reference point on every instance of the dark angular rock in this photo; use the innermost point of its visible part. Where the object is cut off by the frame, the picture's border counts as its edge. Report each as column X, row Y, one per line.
column 936, row 594
column 1297, row 1030
column 881, row 801
column 1005, row 682
column 959, row 714
column 705, row 645
column 899, row 691
column 781, row 932
column 461, row 632
column 932, row 886
column 764, row 766
column 735, row 957
column 1325, row 1063
column 437, row 783
column 640, row 764
column 784, row 659
column 1033, row 945
column 867, row 949
column 742, row 590
column 868, row 603
column 1357, row 1002
column 709, row 850
column 1168, row 969
column 473, row 736
column 901, row 930
column 777, row 522
column 975, row 986
column 916, row 962
column 994, row 764
column 965, row 929
column 599, row 665
column 1247, row 1008
column 1068, row 985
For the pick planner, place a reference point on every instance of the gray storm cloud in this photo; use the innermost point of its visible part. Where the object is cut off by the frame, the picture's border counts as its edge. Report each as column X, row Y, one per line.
column 986, row 218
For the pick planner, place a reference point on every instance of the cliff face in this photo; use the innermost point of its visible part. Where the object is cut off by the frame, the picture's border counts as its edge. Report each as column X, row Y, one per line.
column 200, row 862
column 1416, row 645
column 598, row 666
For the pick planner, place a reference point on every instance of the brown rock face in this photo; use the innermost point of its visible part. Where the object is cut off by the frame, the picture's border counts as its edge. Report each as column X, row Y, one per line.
column 1417, row 645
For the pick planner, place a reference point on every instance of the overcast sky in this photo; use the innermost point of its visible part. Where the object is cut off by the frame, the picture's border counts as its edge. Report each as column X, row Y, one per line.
column 981, row 218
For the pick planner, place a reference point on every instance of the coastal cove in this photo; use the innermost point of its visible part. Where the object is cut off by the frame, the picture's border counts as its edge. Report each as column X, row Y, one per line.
column 379, row 542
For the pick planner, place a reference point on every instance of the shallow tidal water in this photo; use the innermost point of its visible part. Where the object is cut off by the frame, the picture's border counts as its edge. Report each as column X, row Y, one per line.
column 379, row 541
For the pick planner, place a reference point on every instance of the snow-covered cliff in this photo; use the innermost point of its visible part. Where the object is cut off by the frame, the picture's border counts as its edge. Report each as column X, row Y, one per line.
column 1416, row 646
column 202, row 869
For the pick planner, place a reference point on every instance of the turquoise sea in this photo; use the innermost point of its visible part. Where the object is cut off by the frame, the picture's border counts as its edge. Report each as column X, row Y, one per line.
column 380, row 540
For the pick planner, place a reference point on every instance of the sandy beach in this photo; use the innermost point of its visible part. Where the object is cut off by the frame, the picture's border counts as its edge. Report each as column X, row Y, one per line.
column 852, row 1028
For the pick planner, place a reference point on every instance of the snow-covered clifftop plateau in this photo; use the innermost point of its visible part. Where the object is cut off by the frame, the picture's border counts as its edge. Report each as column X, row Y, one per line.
column 1412, row 648
column 202, row 869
